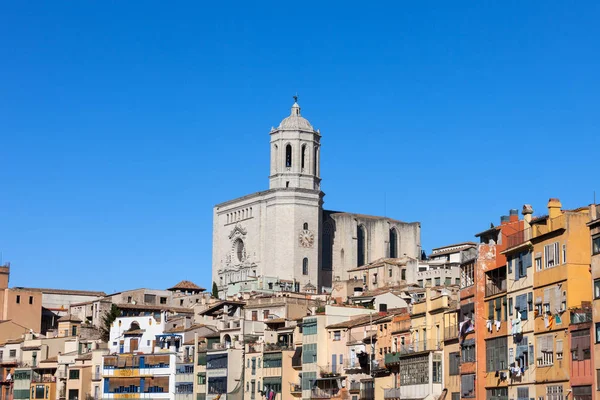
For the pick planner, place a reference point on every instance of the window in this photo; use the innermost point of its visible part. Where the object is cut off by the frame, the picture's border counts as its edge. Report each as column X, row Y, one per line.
column 545, row 350
column 551, row 255
column 467, row 385
column 582, row 392
column 454, row 359
column 523, row 393
column 564, row 253
column 74, row 330
column 467, row 275
column 150, row 299
column 496, row 353
column 497, row 393
column 163, row 300
column 420, row 283
column 510, row 306
column 30, row 299
column 509, row 264
column 18, row 299
column 438, row 281
column 305, row 266
column 596, row 245
column 580, row 345
column 303, row 160
column 597, row 288
column 437, row 369
column 309, row 353
column 305, row 226
column 538, row 264
column 265, row 315
column 254, row 315
column 337, row 335
column 309, row 326
column 554, row 392
column 468, row 351
column 598, row 337
column 455, row 396
column 217, row 385
column 73, row 394
column 414, row 370
column 457, row 281
column 521, row 306
column 12, row 353
column 393, row 243
column 73, row 374
column 390, row 272
column 360, row 244
column 288, row 156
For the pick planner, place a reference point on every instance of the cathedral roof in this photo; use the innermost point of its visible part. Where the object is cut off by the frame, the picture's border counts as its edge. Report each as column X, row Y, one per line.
column 295, row 122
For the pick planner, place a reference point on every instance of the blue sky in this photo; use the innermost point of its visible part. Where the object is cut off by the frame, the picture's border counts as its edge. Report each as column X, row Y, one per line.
column 123, row 123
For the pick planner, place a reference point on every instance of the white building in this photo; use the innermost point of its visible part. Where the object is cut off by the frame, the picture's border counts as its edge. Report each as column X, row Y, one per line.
column 283, row 239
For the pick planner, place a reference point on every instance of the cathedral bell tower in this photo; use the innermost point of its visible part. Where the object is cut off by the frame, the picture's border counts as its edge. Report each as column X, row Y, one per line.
column 295, row 148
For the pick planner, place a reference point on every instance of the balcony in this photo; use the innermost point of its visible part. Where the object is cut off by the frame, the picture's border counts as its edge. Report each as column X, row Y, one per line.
column 391, row 393
column 495, row 281
column 354, row 387
column 278, row 347
column 551, row 225
column 330, row 370
column 367, row 394
column 295, row 388
column 581, row 315
column 518, row 238
column 96, row 376
column 351, row 364
column 317, row 393
column 451, row 332
column 492, row 289
column 43, row 379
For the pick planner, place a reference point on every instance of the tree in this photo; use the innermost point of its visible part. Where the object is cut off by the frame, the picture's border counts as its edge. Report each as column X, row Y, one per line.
column 107, row 320
column 215, row 290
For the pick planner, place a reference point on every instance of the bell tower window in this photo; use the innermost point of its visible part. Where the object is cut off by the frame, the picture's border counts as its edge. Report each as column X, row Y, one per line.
column 303, row 160
column 288, row 156
column 393, row 243
column 305, row 266
column 360, row 244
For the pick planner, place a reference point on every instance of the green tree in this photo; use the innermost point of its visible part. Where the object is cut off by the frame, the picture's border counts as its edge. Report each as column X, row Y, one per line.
column 215, row 290
column 107, row 320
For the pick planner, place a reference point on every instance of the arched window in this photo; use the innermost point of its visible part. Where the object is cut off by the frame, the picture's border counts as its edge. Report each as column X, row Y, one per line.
column 134, row 326
column 288, row 156
column 305, row 266
column 393, row 243
column 303, row 160
column 305, row 226
column 360, row 246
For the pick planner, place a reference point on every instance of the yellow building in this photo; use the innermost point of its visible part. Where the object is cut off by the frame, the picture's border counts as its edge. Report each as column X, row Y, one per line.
column 561, row 251
column 417, row 369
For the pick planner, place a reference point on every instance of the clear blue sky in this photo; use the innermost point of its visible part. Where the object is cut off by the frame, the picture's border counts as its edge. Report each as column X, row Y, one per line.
column 123, row 123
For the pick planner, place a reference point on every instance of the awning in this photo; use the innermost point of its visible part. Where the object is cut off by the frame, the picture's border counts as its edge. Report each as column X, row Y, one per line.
column 272, row 380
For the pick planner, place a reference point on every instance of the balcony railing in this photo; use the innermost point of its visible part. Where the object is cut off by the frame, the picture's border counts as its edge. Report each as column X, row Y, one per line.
column 278, row 346
column 581, row 316
column 493, row 288
column 43, row 379
column 354, row 387
column 351, row 364
column 317, row 393
column 330, row 370
column 517, row 238
column 295, row 388
column 391, row 393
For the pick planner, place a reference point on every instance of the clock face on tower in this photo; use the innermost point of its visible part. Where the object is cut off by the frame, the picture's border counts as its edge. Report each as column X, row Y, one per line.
column 306, row 238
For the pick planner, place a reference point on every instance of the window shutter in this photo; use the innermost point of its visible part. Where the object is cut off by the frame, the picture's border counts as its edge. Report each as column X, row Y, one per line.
column 559, row 345
column 527, row 260
column 491, row 310
column 517, row 269
column 531, row 353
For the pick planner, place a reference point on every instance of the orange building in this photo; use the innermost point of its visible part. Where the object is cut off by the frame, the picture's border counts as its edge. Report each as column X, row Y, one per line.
column 23, row 307
column 484, row 313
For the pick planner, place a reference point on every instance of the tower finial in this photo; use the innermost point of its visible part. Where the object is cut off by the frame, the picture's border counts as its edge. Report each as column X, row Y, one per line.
column 295, row 97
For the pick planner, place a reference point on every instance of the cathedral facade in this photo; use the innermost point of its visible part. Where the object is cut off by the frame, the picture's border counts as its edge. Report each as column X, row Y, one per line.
column 282, row 239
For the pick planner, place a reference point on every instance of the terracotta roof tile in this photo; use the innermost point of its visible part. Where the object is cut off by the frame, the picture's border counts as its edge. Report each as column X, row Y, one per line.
column 186, row 285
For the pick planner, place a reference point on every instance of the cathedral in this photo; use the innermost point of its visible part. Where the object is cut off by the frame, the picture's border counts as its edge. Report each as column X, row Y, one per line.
column 282, row 239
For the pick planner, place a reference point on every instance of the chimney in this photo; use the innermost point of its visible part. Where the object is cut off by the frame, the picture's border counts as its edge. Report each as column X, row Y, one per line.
column 504, row 219
column 554, row 207
column 527, row 212
column 513, row 215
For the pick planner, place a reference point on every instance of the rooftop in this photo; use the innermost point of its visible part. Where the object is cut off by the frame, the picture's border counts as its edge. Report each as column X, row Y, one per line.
column 63, row 291
column 187, row 285
column 127, row 306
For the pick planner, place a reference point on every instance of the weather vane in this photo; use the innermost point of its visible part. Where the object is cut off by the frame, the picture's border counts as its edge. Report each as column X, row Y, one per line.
column 295, row 97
